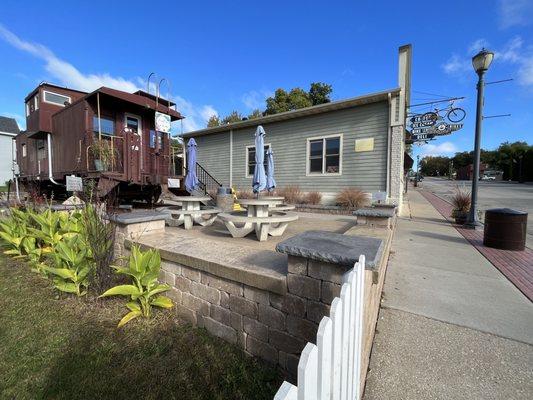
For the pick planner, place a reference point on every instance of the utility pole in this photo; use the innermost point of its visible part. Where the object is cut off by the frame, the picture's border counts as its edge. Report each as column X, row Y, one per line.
column 417, row 176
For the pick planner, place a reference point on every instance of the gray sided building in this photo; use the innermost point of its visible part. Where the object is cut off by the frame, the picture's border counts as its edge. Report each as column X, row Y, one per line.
column 357, row 142
column 8, row 130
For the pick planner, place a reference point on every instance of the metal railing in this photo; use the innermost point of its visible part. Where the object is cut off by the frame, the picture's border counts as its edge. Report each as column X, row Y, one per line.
column 208, row 185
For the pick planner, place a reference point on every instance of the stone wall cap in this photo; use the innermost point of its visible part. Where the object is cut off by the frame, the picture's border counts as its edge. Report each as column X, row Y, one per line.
column 333, row 248
column 137, row 217
column 375, row 212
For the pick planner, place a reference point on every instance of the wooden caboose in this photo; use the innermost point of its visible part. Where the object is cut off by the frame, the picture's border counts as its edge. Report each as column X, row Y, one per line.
column 107, row 135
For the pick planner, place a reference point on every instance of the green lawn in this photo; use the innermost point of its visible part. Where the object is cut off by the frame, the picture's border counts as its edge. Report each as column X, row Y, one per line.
column 66, row 348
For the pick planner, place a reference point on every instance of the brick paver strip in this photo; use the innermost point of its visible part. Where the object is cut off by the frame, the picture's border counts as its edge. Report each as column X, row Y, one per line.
column 517, row 266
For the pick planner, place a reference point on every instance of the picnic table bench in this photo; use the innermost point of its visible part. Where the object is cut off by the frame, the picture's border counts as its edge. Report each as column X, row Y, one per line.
column 192, row 211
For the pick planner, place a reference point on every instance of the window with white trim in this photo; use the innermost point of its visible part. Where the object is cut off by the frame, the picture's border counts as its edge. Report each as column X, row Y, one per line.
column 324, row 155
column 36, row 101
column 56, row 98
column 107, row 126
column 250, row 160
column 23, row 147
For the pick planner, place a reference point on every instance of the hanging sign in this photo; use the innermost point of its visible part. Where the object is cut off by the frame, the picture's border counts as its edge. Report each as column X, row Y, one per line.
column 162, row 122
column 444, row 129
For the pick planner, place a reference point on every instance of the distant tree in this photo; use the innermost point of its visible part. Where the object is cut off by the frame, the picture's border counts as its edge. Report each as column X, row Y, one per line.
column 319, row 93
column 462, row 159
column 278, row 103
column 213, row 121
column 435, row 165
column 297, row 98
column 232, row 117
column 255, row 114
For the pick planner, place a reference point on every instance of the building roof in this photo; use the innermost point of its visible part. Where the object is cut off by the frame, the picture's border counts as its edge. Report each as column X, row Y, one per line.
column 161, row 100
column 34, row 91
column 132, row 98
column 302, row 112
column 9, row 125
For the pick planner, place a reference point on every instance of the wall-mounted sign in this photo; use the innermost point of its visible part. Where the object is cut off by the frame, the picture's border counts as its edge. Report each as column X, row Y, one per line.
column 74, row 183
column 364, row 144
column 162, row 122
column 173, row 183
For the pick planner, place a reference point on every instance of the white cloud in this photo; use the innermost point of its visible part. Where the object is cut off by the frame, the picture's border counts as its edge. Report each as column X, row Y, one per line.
column 442, row 149
column 477, row 45
column 514, row 52
column 456, row 65
column 207, row 112
column 68, row 75
column 515, row 13
column 255, row 99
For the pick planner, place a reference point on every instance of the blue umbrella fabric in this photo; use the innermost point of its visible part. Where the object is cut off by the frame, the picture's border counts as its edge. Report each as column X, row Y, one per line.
column 259, row 182
column 191, row 180
column 271, row 182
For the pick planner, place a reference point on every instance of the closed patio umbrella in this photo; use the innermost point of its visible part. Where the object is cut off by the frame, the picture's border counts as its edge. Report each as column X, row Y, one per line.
column 271, row 182
column 191, row 180
column 259, row 182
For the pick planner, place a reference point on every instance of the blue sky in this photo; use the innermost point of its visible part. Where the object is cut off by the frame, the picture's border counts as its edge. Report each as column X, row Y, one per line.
column 221, row 56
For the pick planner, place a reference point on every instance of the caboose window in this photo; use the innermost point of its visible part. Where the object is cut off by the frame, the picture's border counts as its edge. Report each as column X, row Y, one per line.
column 55, row 98
column 107, row 126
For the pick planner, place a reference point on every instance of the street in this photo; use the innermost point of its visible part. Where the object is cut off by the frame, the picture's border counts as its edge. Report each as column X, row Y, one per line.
column 491, row 194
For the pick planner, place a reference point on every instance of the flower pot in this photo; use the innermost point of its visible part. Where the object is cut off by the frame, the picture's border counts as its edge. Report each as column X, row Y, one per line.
column 459, row 216
column 98, row 165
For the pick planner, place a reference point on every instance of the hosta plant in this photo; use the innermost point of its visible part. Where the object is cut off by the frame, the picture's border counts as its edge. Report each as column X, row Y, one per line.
column 14, row 233
column 144, row 292
column 72, row 266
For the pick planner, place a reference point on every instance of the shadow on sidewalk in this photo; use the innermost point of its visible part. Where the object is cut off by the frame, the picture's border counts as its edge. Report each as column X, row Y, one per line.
column 440, row 236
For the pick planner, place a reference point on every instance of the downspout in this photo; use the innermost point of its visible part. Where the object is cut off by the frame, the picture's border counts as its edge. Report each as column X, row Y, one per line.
column 231, row 158
column 14, row 167
column 50, row 176
column 389, row 146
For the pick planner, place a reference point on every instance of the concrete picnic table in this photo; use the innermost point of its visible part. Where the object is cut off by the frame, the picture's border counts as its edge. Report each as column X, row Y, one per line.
column 260, row 215
column 191, row 211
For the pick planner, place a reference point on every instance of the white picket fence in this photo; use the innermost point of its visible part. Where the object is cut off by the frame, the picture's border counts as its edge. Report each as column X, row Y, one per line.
column 331, row 369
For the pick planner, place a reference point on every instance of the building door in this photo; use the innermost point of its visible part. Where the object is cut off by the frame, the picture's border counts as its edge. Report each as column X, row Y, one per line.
column 133, row 133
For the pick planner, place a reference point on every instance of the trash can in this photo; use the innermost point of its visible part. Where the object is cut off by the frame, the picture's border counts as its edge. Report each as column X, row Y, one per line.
column 505, row 229
column 225, row 199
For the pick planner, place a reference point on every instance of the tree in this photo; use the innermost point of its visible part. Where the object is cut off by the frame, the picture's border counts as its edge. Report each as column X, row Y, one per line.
column 213, row 121
column 255, row 114
column 435, row 165
column 297, row 98
column 319, row 93
column 232, row 117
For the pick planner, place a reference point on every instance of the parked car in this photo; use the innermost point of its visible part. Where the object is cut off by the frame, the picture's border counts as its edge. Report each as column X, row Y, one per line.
column 488, row 178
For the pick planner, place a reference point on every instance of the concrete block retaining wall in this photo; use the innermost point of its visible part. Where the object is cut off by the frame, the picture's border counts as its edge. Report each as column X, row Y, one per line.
column 265, row 324
column 272, row 321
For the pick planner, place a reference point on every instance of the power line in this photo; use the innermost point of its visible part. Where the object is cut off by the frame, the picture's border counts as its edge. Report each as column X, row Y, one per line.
column 430, row 94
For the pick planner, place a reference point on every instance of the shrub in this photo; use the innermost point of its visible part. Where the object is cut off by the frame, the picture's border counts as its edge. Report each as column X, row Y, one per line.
column 292, row 194
column 245, row 194
column 352, row 198
column 313, row 198
column 461, row 200
column 144, row 292
column 99, row 236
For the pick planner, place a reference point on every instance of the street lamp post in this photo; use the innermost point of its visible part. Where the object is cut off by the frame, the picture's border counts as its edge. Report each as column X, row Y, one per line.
column 481, row 63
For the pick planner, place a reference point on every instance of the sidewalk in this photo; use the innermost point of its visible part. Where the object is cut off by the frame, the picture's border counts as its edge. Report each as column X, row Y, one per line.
column 451, row 325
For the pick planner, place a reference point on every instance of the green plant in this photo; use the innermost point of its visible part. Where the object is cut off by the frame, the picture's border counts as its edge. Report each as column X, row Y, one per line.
column 14, row 233
column 352, row 198
column 72, row 266
column 144, row 292
column 99, row 237
column 103, row 151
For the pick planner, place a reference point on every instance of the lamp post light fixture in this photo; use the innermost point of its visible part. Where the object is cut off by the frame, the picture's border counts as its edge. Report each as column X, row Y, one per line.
column 481, row 63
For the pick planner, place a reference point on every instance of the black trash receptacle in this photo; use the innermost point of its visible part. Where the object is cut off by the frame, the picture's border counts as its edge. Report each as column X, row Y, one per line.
column 505, row 229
